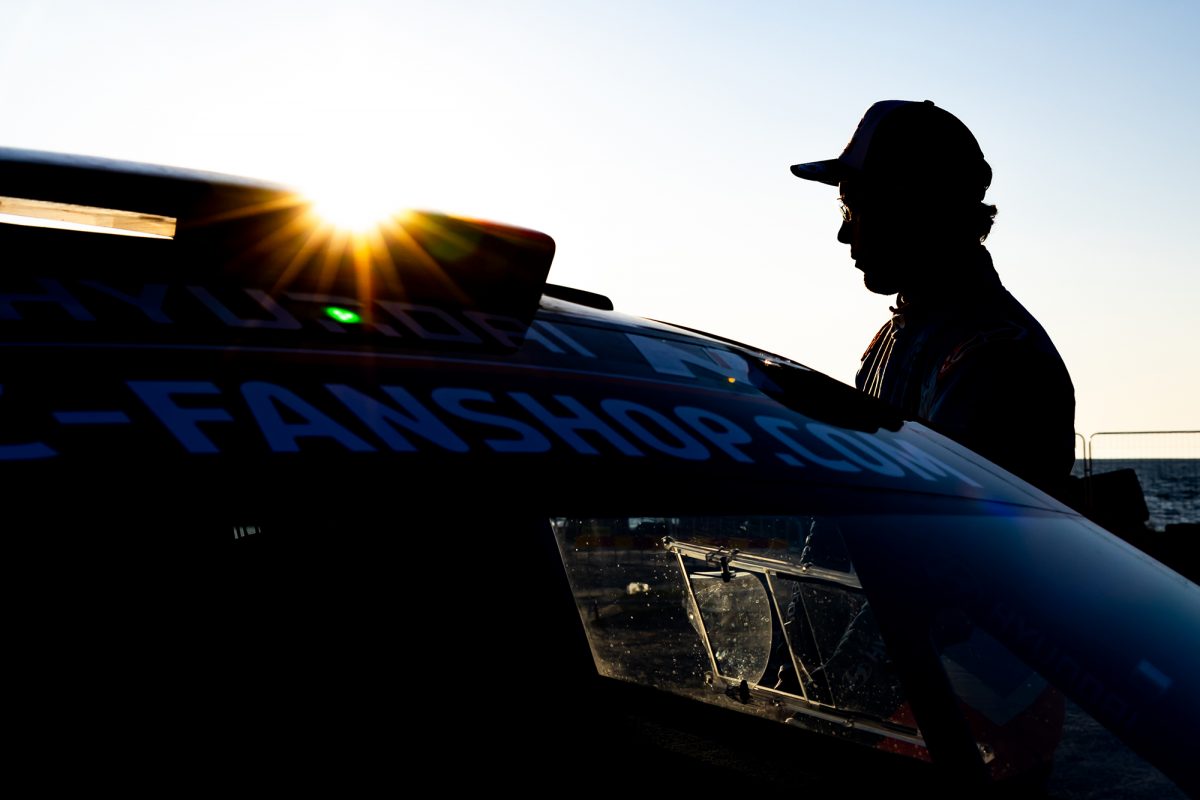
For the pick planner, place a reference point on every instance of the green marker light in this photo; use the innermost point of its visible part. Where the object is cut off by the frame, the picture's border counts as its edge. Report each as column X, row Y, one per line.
column 343, row 315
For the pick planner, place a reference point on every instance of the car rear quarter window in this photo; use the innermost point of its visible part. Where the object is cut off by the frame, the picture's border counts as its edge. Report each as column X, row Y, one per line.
column 763, row 615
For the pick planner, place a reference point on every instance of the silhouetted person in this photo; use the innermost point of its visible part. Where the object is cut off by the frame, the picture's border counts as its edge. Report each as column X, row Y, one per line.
column 959, row 351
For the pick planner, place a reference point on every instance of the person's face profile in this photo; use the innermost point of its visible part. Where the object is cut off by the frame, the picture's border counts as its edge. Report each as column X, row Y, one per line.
column 886, row 242
column 860, row 228
column 889, row 233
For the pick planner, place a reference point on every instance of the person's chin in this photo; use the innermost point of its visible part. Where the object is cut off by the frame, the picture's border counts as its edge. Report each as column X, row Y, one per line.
column 877, row 281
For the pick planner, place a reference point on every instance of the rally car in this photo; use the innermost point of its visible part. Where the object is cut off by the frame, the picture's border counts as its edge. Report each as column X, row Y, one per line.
column 322, row 505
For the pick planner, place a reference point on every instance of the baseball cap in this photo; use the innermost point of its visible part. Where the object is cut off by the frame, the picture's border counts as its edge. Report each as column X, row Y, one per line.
column 905, row 140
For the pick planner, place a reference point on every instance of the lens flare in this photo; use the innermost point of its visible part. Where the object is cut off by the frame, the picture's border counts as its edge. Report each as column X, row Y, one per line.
column 354, row 207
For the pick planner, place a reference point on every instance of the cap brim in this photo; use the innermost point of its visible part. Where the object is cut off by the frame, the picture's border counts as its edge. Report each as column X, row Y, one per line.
column 829, row 172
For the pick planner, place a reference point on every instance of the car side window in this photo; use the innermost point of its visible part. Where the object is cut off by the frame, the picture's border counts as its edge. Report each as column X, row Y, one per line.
column 764, row 615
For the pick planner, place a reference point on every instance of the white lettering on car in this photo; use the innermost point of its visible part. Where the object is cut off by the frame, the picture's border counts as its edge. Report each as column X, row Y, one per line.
column 280, row 320
column 778, row 428
column 383, row 419
column 626, row 412
column 149, row 301
column 286, row 311
column 180, row 421
column 404, row 423
column 853, row 450
column 454, row 401
column 410, row 314
column 915, row 460
column 326, row 300
column 561, row 335
column 266, row 400
column 717, row 429
column 55, row 294
column 579, row 419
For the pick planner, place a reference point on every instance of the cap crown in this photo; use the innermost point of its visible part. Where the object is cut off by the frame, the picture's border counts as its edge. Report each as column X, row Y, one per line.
column 899, row 139
column 904, row 141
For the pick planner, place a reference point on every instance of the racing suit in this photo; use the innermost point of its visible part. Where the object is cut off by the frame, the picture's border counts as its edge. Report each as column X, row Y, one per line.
column 971, row 362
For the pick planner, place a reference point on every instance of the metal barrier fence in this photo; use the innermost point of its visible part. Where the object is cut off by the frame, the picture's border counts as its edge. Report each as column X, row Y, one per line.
column 1167, row 464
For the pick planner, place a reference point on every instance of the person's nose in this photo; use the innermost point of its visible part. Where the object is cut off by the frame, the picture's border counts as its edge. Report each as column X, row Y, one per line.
column 845, row 233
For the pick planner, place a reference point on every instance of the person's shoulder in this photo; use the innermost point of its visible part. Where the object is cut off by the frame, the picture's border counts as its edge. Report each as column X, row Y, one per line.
column 1006, row 355
column 994, row 339
column 999, row 317
column 1005, row 304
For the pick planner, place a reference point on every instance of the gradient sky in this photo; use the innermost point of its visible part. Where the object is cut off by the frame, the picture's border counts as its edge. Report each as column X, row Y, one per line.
column 652, row 140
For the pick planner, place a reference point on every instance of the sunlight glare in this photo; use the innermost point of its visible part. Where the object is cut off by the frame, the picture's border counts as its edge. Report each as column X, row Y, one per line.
column 356, row 207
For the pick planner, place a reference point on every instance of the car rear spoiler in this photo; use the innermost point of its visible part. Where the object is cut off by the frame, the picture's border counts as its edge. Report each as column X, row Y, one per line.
column 267, row 234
